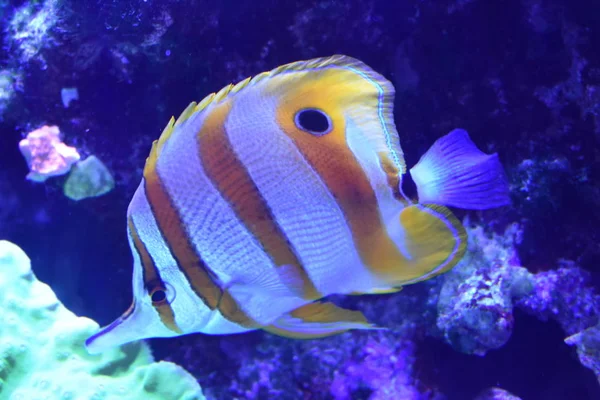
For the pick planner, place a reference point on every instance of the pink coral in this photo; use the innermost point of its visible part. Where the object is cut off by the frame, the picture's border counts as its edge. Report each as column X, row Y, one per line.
column 46, row 154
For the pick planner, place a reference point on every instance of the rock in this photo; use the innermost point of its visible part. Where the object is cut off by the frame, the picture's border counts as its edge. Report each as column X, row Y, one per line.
column 89, row 178
column 46, row 154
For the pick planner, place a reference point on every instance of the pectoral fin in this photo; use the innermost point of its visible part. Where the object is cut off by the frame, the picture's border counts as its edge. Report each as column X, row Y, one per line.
column 287, row 282
column 317, row 320
column 288, row 274
column 454, row 172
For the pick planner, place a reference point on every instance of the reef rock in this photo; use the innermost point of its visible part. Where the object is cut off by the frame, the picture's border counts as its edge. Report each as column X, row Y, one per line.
column 475, row 307
column 89, row 178
column 588, row 347
column 476, row 300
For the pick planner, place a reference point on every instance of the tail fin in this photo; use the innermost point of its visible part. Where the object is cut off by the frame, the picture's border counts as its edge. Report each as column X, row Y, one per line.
column 454, row 172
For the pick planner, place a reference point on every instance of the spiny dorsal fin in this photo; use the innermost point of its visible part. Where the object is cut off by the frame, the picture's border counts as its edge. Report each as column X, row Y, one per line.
column 192, row 109
column 389, row 145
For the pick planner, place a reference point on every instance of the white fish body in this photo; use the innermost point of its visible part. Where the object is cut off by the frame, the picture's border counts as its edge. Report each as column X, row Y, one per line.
column 282, row 190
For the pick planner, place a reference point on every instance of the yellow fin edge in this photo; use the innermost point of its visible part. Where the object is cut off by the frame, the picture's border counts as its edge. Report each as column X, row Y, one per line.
column 231, row 89
column 459, row 235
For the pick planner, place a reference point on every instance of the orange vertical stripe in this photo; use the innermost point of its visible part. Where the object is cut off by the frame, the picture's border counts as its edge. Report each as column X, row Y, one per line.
column 332, row 159
column 189, row 262
column 350, row 186
column 230, row 176
column 152, row 280
column 346, row 96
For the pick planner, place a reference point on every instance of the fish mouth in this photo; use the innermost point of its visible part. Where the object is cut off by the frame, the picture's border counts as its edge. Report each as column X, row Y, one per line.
column 117, row 333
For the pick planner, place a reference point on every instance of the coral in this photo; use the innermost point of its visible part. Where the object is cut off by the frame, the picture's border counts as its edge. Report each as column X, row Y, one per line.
column 374, row 365
column 588, row 347
column 30, row 29
column 476, row 300
column 478, row 295
column 42, row 353
column 89, row 178
column 564, row 295
column 377, row 367
column 46, row 154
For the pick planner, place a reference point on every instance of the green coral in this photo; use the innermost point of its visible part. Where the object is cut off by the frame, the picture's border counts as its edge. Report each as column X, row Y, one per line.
column 88, row 178
column 42, row 354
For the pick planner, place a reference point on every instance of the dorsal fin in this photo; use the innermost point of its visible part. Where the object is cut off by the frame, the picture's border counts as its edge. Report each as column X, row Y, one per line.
column 388, row 145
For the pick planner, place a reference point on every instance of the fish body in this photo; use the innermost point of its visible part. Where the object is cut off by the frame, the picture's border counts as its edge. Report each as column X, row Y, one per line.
column 274, row 193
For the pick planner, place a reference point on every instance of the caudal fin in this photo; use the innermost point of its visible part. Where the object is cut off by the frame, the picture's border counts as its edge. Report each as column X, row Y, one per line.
column 454, row 172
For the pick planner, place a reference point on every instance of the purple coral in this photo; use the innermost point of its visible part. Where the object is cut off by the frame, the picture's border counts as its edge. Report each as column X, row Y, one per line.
column 476, row 300
column 564, row 295
column 477, row 297
column 376, row 365
column 588, row 348
column 383, row 365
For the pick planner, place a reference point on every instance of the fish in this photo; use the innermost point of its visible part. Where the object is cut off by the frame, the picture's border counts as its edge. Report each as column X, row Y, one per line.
column 268, row 196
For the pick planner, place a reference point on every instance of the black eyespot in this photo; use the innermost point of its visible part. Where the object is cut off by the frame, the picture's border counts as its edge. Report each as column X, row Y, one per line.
column 313, row 121
column 158, row 296
column 160, row 292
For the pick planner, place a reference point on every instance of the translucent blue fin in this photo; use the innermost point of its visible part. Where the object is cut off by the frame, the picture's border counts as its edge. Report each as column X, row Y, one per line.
column 454, row 172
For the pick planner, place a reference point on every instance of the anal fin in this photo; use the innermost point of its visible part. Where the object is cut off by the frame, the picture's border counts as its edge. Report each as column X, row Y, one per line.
column 319, row 319
column 378, row 291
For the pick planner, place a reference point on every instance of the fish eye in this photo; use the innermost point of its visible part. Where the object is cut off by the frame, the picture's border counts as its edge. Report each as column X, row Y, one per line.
column 314, row 121
column 162, row 294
